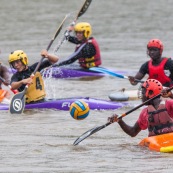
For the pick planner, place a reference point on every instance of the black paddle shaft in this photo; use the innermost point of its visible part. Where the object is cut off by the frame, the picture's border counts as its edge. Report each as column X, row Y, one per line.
column 50, row 44
column 96, row 129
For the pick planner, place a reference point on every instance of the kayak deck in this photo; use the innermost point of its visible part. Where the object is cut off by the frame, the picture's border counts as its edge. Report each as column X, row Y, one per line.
column 159, row 143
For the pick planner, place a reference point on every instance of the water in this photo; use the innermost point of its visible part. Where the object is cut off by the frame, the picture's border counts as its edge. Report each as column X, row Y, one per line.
column 41, row 141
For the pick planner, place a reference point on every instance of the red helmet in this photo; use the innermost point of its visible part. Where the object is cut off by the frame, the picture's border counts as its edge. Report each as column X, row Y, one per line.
column 155, row 43
column 153, row 87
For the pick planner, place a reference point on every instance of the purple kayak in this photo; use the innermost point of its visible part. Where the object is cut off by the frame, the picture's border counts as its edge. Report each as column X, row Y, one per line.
column 64, row 104
column 64, row 72
column 75, row 72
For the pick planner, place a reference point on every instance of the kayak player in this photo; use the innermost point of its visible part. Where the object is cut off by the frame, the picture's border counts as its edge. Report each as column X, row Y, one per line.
column 5, row 75
column 87, row 51
column 19, row 61
column 157, row 117
column 159, row 68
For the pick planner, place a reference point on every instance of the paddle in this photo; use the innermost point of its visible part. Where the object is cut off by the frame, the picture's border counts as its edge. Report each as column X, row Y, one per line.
column 18, row 101
column 68, row 58
column 96, row 129
column 14, row 91
column 82, row 10
column 106, row 71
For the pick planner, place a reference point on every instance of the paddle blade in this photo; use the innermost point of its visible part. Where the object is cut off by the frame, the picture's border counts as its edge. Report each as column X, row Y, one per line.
column 109, row 72
column 84, row 8
column 84, row 136
column 17, row 103
column 89, row 133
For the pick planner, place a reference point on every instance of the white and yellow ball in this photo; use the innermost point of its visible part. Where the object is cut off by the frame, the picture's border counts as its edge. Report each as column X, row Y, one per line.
column 79, row 110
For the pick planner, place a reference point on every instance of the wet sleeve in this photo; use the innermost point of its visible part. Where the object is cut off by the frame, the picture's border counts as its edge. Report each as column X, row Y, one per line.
column 14, row 78
column 169, row 66
column 143, row 119
column 68, row 61
column 43, row 65
column 73, row 40
column 144, row 68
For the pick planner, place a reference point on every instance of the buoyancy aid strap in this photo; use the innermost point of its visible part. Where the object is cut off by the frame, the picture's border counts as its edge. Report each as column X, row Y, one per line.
column 159, row 127
column 163, row 126
column 157, row 111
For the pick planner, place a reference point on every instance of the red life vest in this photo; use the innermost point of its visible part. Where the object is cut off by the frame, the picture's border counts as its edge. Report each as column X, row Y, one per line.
column 91, row 61
column 157, row 72
column 159, row 121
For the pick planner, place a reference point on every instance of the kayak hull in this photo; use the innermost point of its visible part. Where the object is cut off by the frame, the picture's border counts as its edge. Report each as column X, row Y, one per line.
column 55, row 72
column 64, row 104
column 71, row 72
column 159, row 143
column 125, row 95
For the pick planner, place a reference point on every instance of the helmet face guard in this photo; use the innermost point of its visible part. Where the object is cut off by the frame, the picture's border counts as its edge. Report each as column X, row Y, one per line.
column 18, row 55
column 83, row 27
column 155, row 43
column 153, row 87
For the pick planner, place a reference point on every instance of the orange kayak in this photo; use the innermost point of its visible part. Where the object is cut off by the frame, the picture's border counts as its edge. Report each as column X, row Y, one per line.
column 160, row 143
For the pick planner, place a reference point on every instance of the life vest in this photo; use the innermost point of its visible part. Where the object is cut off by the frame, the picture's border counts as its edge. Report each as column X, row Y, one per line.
column 2, row 94
column 93, row 61
column 159, row 121
column 157, row 72
column 36, row 90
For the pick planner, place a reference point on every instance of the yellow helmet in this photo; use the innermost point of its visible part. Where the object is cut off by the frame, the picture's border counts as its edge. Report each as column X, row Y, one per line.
column 18, row 55
column 83, row 27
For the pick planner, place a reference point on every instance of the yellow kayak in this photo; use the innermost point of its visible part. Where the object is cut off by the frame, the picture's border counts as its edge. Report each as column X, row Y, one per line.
column 161, row 143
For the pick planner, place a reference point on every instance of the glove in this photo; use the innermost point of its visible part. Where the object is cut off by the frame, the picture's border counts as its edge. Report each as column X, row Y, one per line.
column 166, row 94
column 132, row 80
column 113, row 118
column 67, row 35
